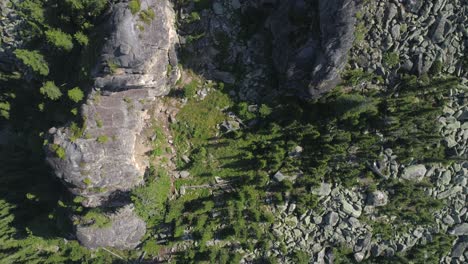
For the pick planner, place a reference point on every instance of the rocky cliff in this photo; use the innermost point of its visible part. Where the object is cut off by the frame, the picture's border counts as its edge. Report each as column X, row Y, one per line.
column 102, row 160
column 311, row 41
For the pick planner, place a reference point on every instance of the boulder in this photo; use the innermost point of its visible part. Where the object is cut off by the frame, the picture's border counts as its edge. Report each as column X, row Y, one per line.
column 125, row 231
column 331, row 219
column 279, row 177
column 323, row 190
column 414, row 173
column 349, row 209
column 184, row 174
column 377, row 198
column 450, row 192
column 460, row 230
column 414, row 5
column 458, row 249
column 438, row 30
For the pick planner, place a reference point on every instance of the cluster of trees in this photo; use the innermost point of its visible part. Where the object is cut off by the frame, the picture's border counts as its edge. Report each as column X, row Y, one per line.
column 54, row 33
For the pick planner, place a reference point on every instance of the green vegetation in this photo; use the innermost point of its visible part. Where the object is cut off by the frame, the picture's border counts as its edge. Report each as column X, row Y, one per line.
column 360, row 33
column 199, row 126
column 81, row 38
column 358, row 77
column 190, row 89
column 436, row 68
column 391, row 59
column 150, row 199
column 99, row 123
column 76, row 131
column 159, row 143
column 34, row 60
column 147, row 15
column 96, row 218
column 195, row 37
column 75, row 94
column 50, row 90
column 340, row 135
column 59, row 151
column 87, row 181
column 5, row 110
column 134, row 6
column 430, row 252
column 113, row 66
column 59, row 39
column 194, row 16
column 409, row 204
column 102, row 139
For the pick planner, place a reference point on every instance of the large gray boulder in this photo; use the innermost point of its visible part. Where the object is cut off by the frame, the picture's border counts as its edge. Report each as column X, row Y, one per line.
column 459, row 230
column 414, row 172
column 124, row 231
column 377, row 198
column 136, row 54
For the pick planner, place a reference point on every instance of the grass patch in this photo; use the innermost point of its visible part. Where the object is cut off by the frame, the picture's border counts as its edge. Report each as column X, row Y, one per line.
column 360, row 33
column 96, row 218
column 135, row 6
column 150, row 199
column 147, row 16
column 391, row 59
column 113, row 66
column 197, row 121
column 102, row 139
column 59, row 151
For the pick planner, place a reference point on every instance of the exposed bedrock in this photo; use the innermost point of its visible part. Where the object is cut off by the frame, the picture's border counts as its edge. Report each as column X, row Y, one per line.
column 311, row 41
column 137, row 54
column 125, row 232
column 137, row 64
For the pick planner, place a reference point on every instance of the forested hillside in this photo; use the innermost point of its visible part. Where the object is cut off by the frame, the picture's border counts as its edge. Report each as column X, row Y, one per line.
column 215, row 131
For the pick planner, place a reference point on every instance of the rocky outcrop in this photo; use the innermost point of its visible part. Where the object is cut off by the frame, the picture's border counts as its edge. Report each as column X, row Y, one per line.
column 303, row 44
column 103, row 159
column 137, row 54
column 124, row 231
column 311, row 42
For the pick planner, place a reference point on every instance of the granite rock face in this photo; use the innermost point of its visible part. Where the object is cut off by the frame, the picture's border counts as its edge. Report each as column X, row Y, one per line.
column 318, row 50
column 125, row 231
column 136, row 55
column 105, row 159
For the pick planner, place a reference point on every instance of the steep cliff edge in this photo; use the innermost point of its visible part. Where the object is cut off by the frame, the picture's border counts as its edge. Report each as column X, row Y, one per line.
column 311, row 41
column 100, row 161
